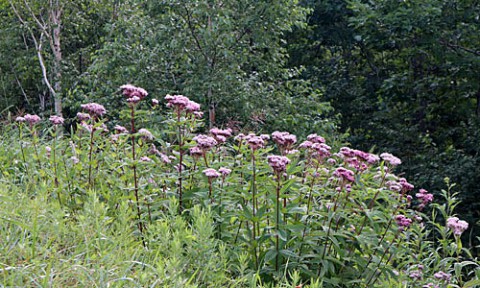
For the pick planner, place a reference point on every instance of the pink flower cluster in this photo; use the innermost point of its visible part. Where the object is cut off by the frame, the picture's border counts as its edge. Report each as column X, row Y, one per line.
column 32, row 119
column 284, row 140
column 56, row 120
column 196, row 152
column 224, row 171
column 424, row 198
column 182, row 103
column 392, row 160
column 145, row 134
column 83, row 116
column 254, row 142
column 164, row 157
column 314, row 138
column 403, row 221
column 442, row 276
column 317, row 144
column 94, row 109
column 134, row 94
column 456, row 225
column 211, row 173
column 405, row 185
column 344, row 174
column 358, row 159
column 278, row 163
column 221, row 135
column 120, row 129
column 205, row 142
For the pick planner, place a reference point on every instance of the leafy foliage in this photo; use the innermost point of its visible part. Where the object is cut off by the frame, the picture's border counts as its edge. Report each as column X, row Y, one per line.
column 182, row 205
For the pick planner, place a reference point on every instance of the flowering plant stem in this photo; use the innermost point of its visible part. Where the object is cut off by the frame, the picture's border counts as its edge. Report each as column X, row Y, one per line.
column 254, row 208
column 277, row 223
column 55, row 165
column 180, row 164
column 20, row 134
column 134, row 168
column 90, row 152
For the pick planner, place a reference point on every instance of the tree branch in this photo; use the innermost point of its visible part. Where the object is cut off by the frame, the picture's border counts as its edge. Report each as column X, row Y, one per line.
column 456, row 47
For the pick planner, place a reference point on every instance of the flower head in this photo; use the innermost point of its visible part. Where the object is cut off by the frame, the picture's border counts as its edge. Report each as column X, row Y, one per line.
column 205, row 142
column 94, row 109
column 402, row 221
column 442, row 276
column 344, row 174
column 56, row 120
column 456, row 225
column 211, row 173
column 405, row 185
column 278, row 163
column 424, row 198
column 83, row 116
column 224, row 171
column 284, row 139
column 32, row 119
column 394, row 161
column 221, row 135
column 131, row 91
column 255, row 142
column 314, row 138
column 120, row 129
column 196, row 152
column 147, row 135
column 20, row 119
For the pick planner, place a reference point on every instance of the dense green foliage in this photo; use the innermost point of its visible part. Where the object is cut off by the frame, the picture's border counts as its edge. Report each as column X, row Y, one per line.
column 188, row 209
column 404, row 77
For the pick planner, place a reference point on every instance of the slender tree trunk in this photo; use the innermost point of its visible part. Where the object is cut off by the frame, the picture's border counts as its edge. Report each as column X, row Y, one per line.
column 55, row 15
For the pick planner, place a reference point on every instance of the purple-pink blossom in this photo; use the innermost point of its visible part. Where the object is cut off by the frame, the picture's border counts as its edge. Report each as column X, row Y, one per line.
column 424, row 198
column 405, row 185
column 403, row 221
column 278, row 163
column 211, row 173
column 221, row 135
column 83, row 116
column 284, row 139
column 131, row 91
column 120, row 129
column 224, row 171
column 145, row 159
column 145, row 134
column 180, row 103
column 56, row 120
column 32, row 119
column 255, row 142
column 196, row 152
column 314, row 138
column 74, row 159
column 344, row 174
column 456, row 225
column 94, row 109
column 20, row 119
column 392, row 160
column 205, row 142
column 442, row 276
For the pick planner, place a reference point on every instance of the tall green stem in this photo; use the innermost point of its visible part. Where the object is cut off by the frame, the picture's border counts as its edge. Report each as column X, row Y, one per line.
column 134, row 168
